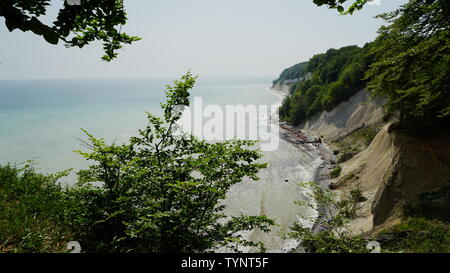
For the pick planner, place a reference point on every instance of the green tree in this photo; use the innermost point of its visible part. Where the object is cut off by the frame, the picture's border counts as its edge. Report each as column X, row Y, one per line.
column 164, row 191
column 339, row 5
column 335, row 76
column 76, row 25
column 32, row 211
column 94, row 20
column 411, row 61
column 331, row 233
column 294, row 72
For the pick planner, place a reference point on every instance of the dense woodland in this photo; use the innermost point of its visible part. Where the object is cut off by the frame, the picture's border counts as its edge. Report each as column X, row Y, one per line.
column 294, row 72
column 335, row 76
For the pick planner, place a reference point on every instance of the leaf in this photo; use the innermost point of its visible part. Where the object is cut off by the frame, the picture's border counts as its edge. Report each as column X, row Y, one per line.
column 11, row 25
column 51, row 37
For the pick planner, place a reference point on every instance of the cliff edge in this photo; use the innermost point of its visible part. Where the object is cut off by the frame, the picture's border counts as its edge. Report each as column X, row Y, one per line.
column 392, row 170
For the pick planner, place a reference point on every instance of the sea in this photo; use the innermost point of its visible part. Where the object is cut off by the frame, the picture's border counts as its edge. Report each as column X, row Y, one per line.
column 41, row 120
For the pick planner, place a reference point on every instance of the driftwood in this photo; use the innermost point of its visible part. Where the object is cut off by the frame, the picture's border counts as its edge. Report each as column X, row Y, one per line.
column 300, row 135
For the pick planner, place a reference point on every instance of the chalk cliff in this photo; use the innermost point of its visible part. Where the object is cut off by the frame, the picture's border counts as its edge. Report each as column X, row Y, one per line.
column 393, row 170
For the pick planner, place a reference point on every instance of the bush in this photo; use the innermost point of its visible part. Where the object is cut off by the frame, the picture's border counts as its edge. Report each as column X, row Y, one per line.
column 336, row 172
column 332, row 234
column 336, row 76
column 417, row 235
column 32, row 215
column 369, row 133
column 432, row 205
column 163, row 191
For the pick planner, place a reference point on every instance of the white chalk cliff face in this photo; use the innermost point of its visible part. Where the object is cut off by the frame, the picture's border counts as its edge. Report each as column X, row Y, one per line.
column 358, row 111
column 282, row 86
column 394, row 170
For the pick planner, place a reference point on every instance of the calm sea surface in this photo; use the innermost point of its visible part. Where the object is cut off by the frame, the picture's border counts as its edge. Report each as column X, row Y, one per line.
column 41, row 120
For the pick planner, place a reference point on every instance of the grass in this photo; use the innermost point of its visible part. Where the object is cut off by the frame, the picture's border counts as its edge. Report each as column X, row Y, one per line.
column 32, row 213
column 417, row 235
column 354, row 143
column 433, row 205
column 426, row 228
column 336, row 172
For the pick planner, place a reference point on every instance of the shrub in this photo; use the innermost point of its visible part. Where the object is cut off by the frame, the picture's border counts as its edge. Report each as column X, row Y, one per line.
column 432, row 205
column 32, row 214
column 163, row 191
column 417, row 235
column 336, row 172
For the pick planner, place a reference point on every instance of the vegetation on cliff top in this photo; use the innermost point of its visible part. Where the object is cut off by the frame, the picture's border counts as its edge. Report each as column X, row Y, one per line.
column 294, row 72
column 335, row 76
column 417, row 233
column 32, row 210
column 411, row 61
column 162, row 191
column 408, row 65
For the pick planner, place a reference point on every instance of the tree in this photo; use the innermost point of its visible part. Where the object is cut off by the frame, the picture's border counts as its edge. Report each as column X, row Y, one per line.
column 164, row 191
column 82, row 22
column 338, row 5
column 411, row 61
column 76, row 25
column 335, row 76
column 331, row 234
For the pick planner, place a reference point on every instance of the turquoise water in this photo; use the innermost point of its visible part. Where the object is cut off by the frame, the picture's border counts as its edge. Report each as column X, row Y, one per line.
column 40, row 120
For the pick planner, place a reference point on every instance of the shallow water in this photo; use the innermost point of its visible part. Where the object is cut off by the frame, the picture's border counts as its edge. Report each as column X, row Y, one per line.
column 275, row 194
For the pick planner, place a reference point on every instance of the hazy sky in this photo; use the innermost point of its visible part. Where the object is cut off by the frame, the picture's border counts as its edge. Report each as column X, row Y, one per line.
column 212, row 37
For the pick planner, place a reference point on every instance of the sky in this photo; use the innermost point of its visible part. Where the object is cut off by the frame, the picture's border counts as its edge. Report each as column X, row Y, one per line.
column 213, row 38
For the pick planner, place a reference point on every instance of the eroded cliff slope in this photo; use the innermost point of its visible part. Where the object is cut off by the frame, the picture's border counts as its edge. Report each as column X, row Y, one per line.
column 393, row 170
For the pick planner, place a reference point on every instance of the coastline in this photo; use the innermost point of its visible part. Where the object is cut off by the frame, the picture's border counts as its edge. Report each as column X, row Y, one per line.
column 296, row 137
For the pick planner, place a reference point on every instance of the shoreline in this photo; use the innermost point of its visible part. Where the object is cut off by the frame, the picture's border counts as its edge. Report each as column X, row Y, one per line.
column 321, row 172
column 328, row 159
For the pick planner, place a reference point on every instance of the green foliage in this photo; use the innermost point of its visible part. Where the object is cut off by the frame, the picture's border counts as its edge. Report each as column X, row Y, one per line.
column 332, row 234
column 77, row 25
column 336, row 76
column 433, row 205
column 426, row 228
column 345, row 156
column 417, row 235
column 356, row 141
column 345, row 180
column 336, row 172
column 32, row 211
column 163, row 191
column 411, row 61
column 368, row 134
column 339, row 5
column 294, row 72
column 408, row 65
